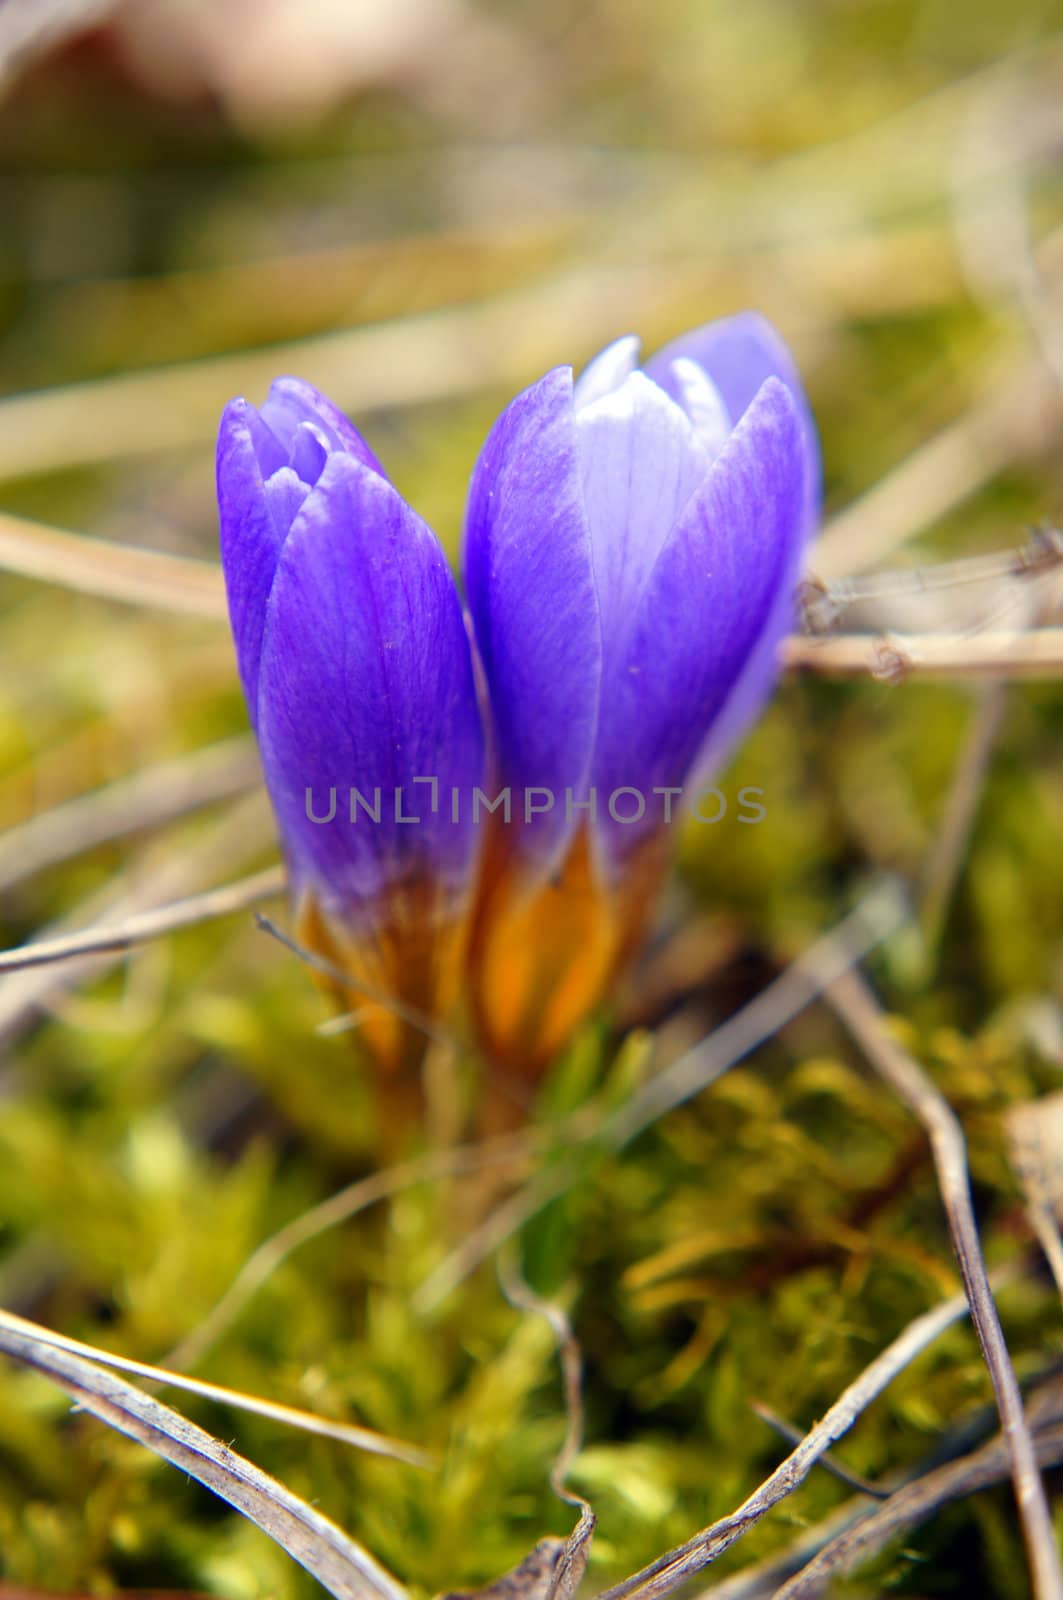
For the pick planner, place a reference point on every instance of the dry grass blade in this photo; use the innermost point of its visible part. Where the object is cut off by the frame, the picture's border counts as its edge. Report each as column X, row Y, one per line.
column 141, row 577
column 825, row 604
column 233, row 840
column 537, row 1577
column 1037, row 653
column 837, row 1469
column 916, row 1501
column 572, row 1559
column 292, row 1416
column 148, row 799
column 1015, row 418
column 945, row 858
column 879, row 914
column 112, row 571
column 676, row 1567
column 338, row 1208
column 1035, row 1137
column 346, row 1570
column 761, row 1580
column 856, row 1006
column 145, row 925
column 433, row 356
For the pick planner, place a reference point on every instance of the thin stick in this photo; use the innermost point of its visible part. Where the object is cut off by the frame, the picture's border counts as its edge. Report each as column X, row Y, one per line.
column 1036, row 653
column 145, row 925
column 825, row 603
column 759, row 1581
column 855, row 1004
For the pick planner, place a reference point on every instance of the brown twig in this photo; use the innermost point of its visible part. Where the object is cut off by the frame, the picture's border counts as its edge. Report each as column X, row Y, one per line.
column 855, row 1004
column 135, row 576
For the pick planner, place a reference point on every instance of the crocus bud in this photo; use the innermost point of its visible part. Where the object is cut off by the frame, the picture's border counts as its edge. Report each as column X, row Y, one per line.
column 633, row 544
column 356, row 668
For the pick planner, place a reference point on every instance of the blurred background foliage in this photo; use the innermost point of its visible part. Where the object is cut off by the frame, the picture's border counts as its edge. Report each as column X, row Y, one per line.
column 420, row 206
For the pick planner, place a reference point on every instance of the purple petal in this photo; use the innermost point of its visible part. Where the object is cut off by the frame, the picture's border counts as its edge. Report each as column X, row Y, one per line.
column 309, row 452
column 531, row 591
column 292, row 402
column 255, row 518
column 640, row 461
column 365, row 683
column 739, row 353
column 722, row 583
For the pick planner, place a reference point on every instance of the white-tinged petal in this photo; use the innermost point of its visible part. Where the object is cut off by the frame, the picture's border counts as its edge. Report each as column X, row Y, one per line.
column 703, row 403
column 640, row 461
column 607, row 370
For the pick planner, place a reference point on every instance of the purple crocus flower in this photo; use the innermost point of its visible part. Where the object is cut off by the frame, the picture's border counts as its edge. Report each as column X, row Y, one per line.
column 633, row 544
column 356, row 668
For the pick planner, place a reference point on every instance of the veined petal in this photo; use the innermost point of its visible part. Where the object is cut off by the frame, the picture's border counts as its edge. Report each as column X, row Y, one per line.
column 753, row 687
column 255, row 518
column 716, row 589
column 366, row 683
column 531, row 591
column 739, row 353
column 640, row 461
